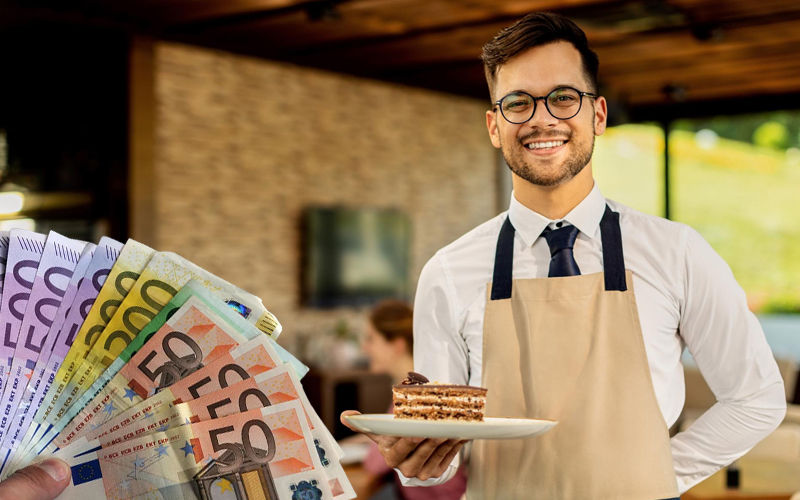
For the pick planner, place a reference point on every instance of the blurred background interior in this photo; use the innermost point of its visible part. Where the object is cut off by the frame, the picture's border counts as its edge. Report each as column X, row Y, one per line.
column 317, row 153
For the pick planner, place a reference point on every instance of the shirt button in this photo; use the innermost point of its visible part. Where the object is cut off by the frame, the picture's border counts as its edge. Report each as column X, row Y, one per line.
column 559, row 224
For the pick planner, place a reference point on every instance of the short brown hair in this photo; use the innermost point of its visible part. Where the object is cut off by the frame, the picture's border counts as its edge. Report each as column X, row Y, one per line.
column 533, row 30
column 394, row 319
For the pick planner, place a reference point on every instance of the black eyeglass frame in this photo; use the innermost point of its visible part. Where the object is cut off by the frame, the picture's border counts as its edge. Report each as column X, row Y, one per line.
column 547, row 106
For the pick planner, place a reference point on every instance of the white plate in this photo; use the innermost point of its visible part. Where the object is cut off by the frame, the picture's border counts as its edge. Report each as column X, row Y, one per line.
column 490, row 428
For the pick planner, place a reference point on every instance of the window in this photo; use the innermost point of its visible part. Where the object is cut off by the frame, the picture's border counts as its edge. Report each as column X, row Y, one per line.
column 628, row 165
column 736, row 180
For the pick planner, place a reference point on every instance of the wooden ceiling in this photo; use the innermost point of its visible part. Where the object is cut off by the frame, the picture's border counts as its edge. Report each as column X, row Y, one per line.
column 652, row 52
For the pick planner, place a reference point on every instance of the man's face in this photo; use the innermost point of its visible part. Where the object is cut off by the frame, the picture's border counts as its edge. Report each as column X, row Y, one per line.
column 538, row 71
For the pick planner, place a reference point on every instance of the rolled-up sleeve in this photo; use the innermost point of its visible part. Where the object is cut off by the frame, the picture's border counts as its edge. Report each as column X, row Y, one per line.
column 440, row 352
column 729, row 347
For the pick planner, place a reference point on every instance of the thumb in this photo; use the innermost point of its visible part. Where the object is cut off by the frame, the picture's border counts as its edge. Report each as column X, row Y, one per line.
column 344, row 421
column 43, row 481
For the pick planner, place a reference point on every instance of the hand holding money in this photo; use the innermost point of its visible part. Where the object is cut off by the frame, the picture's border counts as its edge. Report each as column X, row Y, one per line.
column 149, row 377
column 44, row 481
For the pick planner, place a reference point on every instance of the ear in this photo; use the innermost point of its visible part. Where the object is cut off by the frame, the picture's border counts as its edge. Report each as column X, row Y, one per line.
column 491, row 125
column 600, row 115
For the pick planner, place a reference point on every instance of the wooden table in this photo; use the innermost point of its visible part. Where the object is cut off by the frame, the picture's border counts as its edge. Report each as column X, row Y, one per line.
column 363, row 483
column 759, row 480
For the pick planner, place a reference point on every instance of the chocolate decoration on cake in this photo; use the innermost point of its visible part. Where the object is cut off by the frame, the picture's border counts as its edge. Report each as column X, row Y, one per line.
column 415, row 378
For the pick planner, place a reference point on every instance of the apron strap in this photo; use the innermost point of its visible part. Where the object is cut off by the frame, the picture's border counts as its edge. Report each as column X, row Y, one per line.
column 613, row 259
column 504, row 262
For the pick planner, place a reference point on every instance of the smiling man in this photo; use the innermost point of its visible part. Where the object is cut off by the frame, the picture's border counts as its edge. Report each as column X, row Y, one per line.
column 576, row 308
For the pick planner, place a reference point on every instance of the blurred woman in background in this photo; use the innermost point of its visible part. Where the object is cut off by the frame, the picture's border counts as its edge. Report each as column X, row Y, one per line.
column 389, row 344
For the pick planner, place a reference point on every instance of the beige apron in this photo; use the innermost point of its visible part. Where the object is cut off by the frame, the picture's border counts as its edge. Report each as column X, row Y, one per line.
column 570, row 349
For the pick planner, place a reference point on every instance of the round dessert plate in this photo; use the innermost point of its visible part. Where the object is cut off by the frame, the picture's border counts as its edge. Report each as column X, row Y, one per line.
column 490, row 428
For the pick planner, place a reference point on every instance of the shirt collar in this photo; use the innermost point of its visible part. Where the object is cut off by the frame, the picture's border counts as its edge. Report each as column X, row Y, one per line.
column 585, row 216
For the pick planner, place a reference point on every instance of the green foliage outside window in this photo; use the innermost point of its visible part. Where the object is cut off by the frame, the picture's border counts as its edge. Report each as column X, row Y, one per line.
column 736, row 180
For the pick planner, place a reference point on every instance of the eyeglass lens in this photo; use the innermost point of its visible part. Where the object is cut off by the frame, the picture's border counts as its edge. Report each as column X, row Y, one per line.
column 561, row 103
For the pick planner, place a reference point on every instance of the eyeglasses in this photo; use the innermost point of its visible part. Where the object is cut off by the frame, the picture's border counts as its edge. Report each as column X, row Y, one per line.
column 563, row 103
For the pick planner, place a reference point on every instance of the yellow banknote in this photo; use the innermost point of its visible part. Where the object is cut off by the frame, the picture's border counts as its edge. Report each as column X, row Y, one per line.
column 164, row 275
column 131, row 262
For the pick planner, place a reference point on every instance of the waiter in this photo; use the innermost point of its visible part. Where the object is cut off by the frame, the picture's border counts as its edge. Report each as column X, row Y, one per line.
column 576, row 308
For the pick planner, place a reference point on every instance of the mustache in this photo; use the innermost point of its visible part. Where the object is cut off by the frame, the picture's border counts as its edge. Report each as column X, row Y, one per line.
column 539, row 136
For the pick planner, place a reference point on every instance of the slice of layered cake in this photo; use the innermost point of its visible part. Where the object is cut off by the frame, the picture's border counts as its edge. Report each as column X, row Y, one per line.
column 418, row 398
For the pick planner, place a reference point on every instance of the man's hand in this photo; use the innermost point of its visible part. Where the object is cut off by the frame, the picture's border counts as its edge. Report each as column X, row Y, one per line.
column 415, row 457
column 43, row 481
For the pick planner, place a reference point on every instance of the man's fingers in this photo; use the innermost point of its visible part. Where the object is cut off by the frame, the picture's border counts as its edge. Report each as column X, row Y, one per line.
column 395, row 453
column 412, row 465
column 43, row 481
column 444, row 463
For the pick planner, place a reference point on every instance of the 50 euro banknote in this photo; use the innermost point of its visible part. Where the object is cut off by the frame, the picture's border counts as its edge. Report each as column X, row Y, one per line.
column 270, row 388
column 248, row 360
column 193, row 336
column 136, row 374
column 161, row 279
column 259, row 454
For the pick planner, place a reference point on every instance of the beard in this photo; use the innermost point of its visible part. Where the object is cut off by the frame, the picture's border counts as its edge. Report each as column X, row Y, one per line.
column 549, row 174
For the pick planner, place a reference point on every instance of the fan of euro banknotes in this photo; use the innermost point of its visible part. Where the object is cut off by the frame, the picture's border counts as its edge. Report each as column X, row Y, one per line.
column 152, row 378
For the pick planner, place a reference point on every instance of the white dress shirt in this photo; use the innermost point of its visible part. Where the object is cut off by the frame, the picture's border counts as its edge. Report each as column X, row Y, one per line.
column 686, row 295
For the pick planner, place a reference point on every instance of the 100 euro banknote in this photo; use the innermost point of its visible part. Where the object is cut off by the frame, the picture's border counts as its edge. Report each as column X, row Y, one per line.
column 262, row 453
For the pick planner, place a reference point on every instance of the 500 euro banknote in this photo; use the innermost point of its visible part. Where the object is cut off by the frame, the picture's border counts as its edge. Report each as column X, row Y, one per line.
column 53, row 276
column 24, row 253
column 71, row 316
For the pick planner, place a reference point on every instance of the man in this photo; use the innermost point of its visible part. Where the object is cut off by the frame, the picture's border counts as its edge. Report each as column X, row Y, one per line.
column 576, row 308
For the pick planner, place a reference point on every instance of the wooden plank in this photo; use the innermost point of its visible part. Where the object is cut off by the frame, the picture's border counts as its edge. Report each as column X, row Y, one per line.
column 141, row 169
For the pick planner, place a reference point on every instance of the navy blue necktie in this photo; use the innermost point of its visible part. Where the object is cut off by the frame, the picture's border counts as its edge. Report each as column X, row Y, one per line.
column 562, row 260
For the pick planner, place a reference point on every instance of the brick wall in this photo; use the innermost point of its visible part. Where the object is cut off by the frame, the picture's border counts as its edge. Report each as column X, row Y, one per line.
column 243, row 145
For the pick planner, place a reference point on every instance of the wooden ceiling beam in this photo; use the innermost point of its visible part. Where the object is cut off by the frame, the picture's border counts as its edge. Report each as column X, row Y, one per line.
column 367, row 27
column 722, row 90
column 465, row 43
